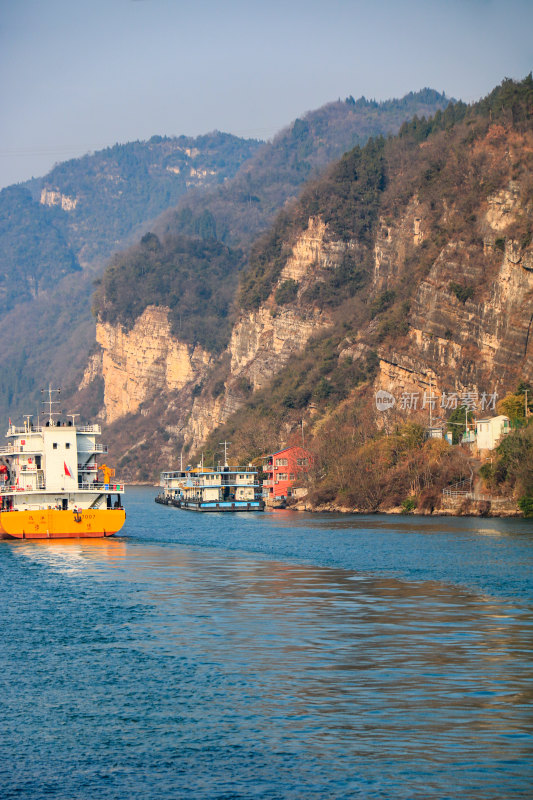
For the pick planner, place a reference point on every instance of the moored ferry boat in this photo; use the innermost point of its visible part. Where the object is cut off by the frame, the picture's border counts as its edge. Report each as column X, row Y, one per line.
column 222, row 489
column 50, row 486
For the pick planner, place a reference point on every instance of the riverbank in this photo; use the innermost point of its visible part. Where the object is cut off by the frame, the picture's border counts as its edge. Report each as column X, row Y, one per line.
column 460, row 507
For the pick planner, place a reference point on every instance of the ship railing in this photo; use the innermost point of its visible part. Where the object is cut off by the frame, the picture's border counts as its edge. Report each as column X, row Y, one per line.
column 93, row 487
column 10, row 449
column 17, row 430
column 98, row 486
column 30, row 469
column 14, row 430
column 211, row 470
column 21, row 448
column 198, row 473
column 94, row 448
column 234, row 469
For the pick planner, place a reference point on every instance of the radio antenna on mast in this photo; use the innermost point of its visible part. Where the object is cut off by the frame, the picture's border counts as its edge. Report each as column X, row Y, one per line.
column 49, row 402
column 225, row 452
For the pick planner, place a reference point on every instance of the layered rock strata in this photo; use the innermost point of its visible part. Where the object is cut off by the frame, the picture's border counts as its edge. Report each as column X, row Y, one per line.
column 471, row 316
column 137, row 364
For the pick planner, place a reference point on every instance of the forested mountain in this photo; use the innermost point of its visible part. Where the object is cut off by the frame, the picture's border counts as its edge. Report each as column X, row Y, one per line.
column 57, row 232
column 35, row 251
column 107, row 195
column 408, row 264
column 196, row 278
column 428, row 292
column 240, row 209
column 234, row 213
column 85, row 209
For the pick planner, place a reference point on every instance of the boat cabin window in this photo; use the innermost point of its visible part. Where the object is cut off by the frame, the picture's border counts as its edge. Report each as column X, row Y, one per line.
column 64, row 503
column 54, row 445
column 67, row 445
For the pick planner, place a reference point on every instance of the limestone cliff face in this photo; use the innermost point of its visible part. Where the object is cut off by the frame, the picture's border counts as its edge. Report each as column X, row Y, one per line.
column 139, row 363
column 492, row 327
column 148, row 361
column 394, row 238
column 480, row 340
column 53, row 197
column 207, row 413
column 308, row 250
column 449, row 307
column 262, row 341
column 93, row 369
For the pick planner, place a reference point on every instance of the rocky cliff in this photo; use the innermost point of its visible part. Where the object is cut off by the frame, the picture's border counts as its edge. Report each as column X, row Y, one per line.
column 57, row 233
column 148, row 361
column 471, row 315
column 138, row 364
column 408, row 267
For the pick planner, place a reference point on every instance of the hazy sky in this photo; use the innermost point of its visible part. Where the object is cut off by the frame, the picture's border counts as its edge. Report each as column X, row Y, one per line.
column 79, row 75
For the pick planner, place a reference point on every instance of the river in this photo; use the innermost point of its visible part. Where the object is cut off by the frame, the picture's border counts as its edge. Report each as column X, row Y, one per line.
column 272, row 656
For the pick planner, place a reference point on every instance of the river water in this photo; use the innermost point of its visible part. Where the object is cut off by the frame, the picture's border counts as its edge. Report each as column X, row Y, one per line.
column 277, row 655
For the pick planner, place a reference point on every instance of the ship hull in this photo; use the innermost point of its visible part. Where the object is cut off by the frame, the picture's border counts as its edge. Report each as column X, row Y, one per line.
column 206, row 506
column 58, row 524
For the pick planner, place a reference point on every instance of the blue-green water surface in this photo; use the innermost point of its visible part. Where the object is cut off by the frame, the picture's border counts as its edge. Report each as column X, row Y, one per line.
column 281, row 655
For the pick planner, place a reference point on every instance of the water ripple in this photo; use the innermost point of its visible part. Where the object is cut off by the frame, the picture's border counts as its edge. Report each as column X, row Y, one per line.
column 274, row 656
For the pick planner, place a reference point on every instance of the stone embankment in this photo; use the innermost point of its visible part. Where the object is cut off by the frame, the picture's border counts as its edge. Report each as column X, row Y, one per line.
column 499, row 507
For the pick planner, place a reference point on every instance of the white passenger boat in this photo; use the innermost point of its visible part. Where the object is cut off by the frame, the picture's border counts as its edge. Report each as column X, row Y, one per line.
column 223, row 489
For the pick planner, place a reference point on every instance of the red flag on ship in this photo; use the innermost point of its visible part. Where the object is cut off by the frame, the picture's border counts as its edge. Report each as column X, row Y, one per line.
column 68, row 473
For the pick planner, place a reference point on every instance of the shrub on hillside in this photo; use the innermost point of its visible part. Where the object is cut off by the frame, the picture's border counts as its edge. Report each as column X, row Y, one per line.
column 286, row 292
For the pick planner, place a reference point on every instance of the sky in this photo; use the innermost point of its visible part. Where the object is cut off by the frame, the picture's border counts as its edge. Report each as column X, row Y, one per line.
column 80, row 75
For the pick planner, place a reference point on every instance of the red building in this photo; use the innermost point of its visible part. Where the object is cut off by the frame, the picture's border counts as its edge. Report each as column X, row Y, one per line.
column 283, row 469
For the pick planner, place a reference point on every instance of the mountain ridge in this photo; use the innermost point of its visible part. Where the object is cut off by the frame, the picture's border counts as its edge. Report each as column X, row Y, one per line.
column 348, row 283
column 237, row 211
column 68, row 223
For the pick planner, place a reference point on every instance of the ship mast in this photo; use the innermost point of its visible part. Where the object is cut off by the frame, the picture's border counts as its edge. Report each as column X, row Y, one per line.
column 49, row 402
column 225, row 452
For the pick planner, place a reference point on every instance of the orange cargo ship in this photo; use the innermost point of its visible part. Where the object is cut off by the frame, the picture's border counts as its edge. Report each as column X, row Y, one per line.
column 50, row 486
